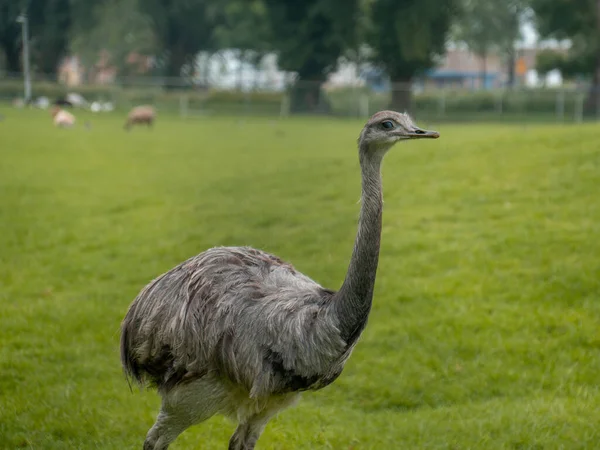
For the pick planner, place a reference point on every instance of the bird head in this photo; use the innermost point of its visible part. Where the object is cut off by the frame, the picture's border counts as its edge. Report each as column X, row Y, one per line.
column 386, row 128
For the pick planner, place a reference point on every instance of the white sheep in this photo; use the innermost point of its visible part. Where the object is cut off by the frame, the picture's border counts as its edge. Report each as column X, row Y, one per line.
column 62, row 118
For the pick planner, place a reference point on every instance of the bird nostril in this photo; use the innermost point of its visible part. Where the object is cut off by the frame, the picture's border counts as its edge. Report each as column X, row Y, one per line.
column 419, row 132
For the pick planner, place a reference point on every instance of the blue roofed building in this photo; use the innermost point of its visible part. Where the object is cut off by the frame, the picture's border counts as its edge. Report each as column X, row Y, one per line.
column 460, row 68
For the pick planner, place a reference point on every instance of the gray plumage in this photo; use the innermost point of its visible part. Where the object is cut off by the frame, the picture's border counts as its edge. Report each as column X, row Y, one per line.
column 239, row 332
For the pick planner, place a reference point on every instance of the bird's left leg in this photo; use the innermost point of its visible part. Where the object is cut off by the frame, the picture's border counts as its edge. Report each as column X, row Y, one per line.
column 183, row 406
column 248, row 432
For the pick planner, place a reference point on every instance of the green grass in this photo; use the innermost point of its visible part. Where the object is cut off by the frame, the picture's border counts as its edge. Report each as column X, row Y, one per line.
column 485, row 324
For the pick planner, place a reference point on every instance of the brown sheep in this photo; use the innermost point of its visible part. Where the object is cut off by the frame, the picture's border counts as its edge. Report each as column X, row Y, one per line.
column 140, row 115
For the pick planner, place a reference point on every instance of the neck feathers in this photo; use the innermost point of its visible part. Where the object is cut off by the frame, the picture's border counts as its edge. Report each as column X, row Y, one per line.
column 352, row 303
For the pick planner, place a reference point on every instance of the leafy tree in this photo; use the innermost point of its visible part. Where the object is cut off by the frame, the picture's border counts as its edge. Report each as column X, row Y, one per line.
column 182, row 28
column 516, row 13
column 116, row 27
column 407, row 36
column 84, row 13
column 491, row 25
column 548, row 59
column 243, row 25
column 579, row 21
column 50, row 21
column 480, row 27
column 10, row 34
column 309, row 37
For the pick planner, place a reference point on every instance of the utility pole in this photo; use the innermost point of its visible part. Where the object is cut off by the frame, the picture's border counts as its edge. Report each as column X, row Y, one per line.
column 22, row 19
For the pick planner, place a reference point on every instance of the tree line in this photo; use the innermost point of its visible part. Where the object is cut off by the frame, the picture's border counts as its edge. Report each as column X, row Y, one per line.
column 402, row 37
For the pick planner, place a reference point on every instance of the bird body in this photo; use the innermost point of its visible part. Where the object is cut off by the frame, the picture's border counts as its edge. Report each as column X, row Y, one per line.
column 237, row 331
column 217, row 299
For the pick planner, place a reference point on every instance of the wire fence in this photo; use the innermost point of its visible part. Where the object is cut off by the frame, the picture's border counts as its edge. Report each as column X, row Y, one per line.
column 188, row 98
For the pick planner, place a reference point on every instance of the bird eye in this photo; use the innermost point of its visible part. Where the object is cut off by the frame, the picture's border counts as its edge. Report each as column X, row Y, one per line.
column 388, row 124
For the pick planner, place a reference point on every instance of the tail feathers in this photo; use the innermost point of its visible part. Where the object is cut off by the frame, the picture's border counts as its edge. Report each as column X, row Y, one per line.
column 156, row 369
column 128, row 360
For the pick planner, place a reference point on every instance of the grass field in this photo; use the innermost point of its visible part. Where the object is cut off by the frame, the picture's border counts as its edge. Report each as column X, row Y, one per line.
column 485, row 330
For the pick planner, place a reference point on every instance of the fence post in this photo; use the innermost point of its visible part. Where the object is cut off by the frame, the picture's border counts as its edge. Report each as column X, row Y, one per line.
column 284, row 109
column 560, row 105
column 442, row 104
column 579, row 108
column 364, row 105
column 184, row 101
column 500, row 103
column 597, row 101
column 320, row 94
column 114, row 97
column 247, row 102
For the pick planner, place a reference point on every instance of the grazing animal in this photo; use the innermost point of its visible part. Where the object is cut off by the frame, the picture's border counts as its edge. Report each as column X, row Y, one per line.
column 140, row 115
column 239, row 332
column 62, row 118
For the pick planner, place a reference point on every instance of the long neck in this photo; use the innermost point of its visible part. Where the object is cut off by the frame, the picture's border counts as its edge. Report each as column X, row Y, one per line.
column 352, row 303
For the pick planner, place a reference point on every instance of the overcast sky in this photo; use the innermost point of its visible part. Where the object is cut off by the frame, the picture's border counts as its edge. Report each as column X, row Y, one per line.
column 529, row 34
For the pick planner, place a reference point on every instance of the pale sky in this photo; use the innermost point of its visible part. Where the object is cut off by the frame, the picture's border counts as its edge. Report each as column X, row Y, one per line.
column 529, row 34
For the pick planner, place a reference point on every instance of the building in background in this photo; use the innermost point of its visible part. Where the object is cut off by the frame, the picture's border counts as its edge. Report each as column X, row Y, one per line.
column 461, row 68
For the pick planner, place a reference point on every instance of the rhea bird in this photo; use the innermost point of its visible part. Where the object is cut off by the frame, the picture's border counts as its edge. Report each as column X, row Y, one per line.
column 239, row 332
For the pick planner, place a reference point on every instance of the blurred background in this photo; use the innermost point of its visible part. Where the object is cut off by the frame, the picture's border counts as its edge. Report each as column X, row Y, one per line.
column 485, row 326
column 522, row 60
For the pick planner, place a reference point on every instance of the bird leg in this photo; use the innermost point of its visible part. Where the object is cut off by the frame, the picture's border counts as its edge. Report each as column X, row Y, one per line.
column 164, row 431
column 182, row 407
column 248, row 432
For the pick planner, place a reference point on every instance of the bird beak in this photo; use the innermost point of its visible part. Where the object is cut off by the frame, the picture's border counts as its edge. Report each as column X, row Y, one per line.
column 421, row 134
